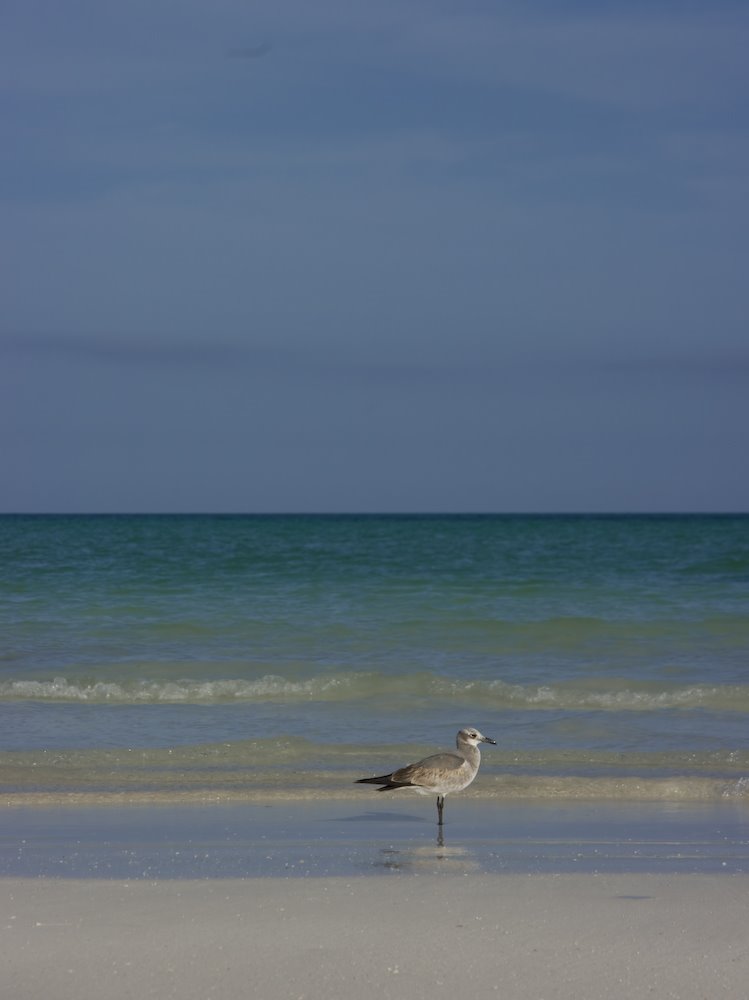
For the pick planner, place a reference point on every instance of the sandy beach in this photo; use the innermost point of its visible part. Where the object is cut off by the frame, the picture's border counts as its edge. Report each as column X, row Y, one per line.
column 334, row 900
column 539, row 937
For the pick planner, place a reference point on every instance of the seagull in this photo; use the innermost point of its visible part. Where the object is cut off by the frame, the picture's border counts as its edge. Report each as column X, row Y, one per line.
column 451, row 771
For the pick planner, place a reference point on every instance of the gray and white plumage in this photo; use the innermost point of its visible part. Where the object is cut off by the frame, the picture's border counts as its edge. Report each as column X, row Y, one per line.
column 440, row 773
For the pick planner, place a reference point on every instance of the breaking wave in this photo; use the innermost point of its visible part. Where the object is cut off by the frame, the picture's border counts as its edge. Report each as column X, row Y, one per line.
column 590, row 695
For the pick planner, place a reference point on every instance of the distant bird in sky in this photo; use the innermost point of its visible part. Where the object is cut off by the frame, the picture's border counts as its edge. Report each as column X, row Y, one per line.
column 250, row 51
column 439, row 774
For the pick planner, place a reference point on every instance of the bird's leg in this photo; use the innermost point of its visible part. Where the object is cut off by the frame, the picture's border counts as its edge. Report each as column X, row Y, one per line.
column 440, row 807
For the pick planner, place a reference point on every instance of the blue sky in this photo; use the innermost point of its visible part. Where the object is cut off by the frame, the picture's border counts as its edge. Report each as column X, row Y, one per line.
column 387, row 256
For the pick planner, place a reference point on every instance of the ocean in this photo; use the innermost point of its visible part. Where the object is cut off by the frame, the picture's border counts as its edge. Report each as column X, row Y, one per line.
column 251, row 656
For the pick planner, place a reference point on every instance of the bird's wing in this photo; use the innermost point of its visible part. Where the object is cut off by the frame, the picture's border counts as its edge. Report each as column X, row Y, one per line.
column 437, row 762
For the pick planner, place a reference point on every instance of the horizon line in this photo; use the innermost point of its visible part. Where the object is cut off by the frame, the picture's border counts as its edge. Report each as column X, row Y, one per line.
column 373, row 513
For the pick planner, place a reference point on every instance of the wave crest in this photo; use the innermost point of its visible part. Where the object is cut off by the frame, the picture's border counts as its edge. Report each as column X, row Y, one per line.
column 271, row 687
column 600, row 695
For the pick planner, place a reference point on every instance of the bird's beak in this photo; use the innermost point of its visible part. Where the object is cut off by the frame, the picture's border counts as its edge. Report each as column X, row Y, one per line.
column 488, row 739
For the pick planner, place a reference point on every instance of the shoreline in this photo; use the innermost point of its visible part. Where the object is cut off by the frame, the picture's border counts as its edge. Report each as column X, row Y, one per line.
column 370, row 837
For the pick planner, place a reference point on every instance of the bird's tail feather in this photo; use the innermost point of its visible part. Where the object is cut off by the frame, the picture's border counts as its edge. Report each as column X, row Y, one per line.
column 386, row 780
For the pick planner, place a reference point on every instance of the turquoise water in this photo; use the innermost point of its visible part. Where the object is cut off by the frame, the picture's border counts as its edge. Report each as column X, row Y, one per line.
column 283, row 650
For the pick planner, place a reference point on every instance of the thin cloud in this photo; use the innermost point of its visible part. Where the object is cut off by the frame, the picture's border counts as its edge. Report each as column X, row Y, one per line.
column 639, row 60
column 716, row 365
column 118, row 351
column 325, row 366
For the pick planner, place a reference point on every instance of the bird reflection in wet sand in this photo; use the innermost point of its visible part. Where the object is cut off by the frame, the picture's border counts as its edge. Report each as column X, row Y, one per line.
column 448, row 858
column 440, row 773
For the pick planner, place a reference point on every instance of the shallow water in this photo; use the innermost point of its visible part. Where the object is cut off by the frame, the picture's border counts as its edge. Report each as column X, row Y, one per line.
column 605, row 654
column 322, row 839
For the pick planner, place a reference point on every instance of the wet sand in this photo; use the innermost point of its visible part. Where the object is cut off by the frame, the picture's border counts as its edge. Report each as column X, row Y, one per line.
column 371, row 836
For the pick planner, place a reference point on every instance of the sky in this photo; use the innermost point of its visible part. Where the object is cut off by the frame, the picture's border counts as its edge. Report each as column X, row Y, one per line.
column 374, row 256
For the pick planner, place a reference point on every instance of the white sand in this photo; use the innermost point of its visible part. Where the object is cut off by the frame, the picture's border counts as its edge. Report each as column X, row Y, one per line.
column 538, row 937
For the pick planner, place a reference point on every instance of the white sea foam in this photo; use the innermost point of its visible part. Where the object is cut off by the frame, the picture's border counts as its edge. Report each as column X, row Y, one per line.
column 606, row 696
column 267, row 687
